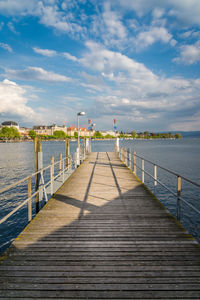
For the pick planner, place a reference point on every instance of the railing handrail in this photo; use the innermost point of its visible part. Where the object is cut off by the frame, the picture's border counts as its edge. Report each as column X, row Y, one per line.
column 167, row 170
column 125, row 157
column 8, row 187
column 53, row 177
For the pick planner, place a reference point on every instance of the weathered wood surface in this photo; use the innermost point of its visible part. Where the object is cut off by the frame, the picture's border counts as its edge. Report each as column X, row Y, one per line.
column 102, row 236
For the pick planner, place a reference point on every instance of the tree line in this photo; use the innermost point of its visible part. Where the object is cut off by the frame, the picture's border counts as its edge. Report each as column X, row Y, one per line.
column 11, row 133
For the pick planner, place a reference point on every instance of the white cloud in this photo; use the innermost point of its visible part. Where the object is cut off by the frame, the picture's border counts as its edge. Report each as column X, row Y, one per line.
column 154, row 34
column 158, row 13
column 52, row 53
column 6, row 47
column 134, row 90
column 36, row 73
column 12, row 28
column 13, row 101
column 109, row 62
column 185, row 11
column 69, row 56
column 22, row 7
column 108, row 27
column 189, row 54
column 48, row 12
column 45, row 52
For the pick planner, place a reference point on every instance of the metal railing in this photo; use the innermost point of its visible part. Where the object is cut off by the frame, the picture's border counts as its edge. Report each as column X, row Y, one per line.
column 64, row 167
column 129, row 158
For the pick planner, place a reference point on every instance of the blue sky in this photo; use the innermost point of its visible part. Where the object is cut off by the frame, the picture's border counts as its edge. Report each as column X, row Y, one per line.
column 137, row 61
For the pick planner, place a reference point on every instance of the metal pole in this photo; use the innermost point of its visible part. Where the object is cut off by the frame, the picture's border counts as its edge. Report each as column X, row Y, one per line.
column 66, row 152
column 155, row 175
column 178, row 198
column 60, row 162
column 142, row 170
column 37, row 148
column 52, row 174
column 134, row 163
column 30, row 200
column 84, row 148
column 78, row 150
column 40, row 167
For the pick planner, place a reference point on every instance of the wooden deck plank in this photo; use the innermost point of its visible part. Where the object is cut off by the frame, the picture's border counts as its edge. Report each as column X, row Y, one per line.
column 102, row 236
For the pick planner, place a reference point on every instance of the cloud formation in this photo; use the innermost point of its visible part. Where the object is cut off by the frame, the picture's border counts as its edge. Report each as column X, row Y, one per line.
column 13, row 100
column 6, row 47
column 189, row 54
column 36, row 73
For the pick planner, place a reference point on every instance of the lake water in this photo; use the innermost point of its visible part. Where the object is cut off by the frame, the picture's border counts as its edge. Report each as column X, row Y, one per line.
column 181, row 156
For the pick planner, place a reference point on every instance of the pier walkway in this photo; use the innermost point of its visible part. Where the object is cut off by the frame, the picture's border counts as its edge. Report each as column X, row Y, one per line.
column 102, row 236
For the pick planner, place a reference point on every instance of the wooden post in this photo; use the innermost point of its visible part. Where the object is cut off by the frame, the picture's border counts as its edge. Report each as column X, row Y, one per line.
column 134, row 163
column 60, row 162
column 63, row 170
column 155, row 175
column 142, row 170
column 127, row 157
column 66, row 152
column 84, row 148
column 52, row 174
column 30, row 200
column 178, row 198
column 70, row 162
column 37, row 148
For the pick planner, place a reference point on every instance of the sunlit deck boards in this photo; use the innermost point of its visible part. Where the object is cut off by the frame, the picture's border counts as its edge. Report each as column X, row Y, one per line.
column 102, row 236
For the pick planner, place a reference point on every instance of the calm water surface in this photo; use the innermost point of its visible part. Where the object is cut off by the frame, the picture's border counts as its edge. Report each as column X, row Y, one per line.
column 181, row 156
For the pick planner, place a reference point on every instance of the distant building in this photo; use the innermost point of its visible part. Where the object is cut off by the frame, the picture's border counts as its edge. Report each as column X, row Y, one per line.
column 49, row 130
column 10, row 124
column 82, row 131
column 110, row 132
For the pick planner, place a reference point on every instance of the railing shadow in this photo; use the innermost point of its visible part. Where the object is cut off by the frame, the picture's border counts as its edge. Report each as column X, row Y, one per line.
column 121, row 246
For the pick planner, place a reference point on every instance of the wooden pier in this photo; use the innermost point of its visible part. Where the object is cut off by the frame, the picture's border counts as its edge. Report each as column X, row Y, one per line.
column 102, row 236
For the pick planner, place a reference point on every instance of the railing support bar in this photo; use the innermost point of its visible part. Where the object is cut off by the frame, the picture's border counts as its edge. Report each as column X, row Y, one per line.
column 52, row 174
column 142, row 170
column 178, row 198
column 30, row 200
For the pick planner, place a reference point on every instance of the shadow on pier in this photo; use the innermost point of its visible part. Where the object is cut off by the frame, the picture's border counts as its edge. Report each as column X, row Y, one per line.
column 102, row 236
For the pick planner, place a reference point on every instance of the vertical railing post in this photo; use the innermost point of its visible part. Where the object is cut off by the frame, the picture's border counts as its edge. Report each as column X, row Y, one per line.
column 40, row 167
column 178, row 198
column 75, row 159
column 142, row 170
column 117, row 146
column 155, row 175
column 52, row 174
column 134, row 163
column 37, row 150
column 70, row 162
column 30, row 200
column 127, row 157
column 90, row 144
column 66, row 152
column 60, row 163
column 83, row 148
column 63, row 170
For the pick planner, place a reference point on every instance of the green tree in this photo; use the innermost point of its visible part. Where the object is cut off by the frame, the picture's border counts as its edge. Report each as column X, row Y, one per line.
column 98, row 135
column 178, row 136
column 76, row 134
column 109, row 136
column 9, row 133
column 134, row 134
column 59, row 134
column 32, row 134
